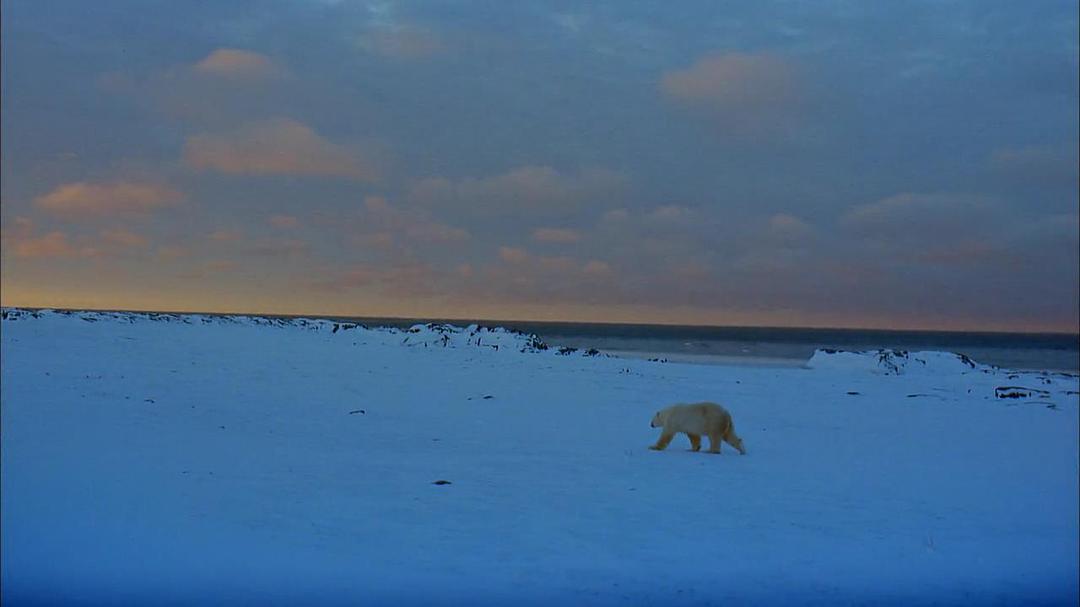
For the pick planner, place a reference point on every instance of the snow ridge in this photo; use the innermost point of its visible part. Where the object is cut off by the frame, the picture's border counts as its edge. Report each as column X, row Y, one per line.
column 418, row 335
column 897, row 362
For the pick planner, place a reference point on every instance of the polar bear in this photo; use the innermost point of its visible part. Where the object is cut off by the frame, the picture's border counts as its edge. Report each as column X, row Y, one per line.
column 694, row 420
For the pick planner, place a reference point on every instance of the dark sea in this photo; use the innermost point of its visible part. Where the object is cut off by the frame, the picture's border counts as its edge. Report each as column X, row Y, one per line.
column 764, row 346
column 786, row 346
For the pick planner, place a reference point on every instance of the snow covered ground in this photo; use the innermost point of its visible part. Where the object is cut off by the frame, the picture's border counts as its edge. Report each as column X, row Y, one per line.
column 178, row 460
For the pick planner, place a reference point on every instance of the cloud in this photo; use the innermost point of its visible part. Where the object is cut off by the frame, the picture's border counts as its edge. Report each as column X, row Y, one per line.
column 407, row 279
column 406, row 42
column 277, row 147
column 789, row 228
column 516, row 275
column 290, row 248
column 284, row 222
column 123, row 238
column 85, row 199
column 961, row 253
column 921, row 232
column 17, row 228
column 670, row 213
column 433, row 232
column 597, row 268
column 1040, row 165
column 51, row 245
column 741, row 92
column 649, row 242
column 556, row 235
column 669, row 221
column 537, row 190
column 220, row 266
column 513, row 254
column 915, row 254
column 112, row 243
column 226, row 236
column 24, row 241
column 237, row 63
column 390, row 223
column 172, row 252
column 235, row 242
column 375, row 240
column 226, row 88
column 918, row 217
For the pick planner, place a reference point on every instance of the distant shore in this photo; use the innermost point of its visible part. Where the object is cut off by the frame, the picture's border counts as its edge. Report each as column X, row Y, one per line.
column 760, row 346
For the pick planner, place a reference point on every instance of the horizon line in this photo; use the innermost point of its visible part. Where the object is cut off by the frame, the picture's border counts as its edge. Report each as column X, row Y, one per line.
column 1075, row 335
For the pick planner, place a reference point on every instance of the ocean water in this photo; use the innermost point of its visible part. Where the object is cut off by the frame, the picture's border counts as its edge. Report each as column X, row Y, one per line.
column 790, row 347
column 777, row 346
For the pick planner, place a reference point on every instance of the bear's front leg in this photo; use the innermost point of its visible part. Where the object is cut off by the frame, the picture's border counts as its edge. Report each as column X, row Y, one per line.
column 662, row 442
column 695, row 441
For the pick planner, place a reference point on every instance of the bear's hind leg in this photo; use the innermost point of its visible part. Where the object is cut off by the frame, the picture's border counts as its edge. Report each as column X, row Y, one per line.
column 714, row 443
column 662, row 442
column 695, row 441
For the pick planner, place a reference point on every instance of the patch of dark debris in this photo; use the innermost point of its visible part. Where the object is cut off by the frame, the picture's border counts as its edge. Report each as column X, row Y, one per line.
column 1020, row 392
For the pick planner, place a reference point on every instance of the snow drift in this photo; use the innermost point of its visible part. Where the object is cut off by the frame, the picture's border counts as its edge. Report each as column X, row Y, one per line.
column 896, row 362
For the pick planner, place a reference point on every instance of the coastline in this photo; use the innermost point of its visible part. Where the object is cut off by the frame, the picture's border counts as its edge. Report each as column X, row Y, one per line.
column 710, row 359
column 764, row 346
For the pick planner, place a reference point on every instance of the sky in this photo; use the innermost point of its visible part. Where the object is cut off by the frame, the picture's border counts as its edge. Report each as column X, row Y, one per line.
column 843, row 164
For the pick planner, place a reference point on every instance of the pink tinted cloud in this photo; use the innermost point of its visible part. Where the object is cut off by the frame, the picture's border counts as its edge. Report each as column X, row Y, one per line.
column 277, row 147
column 86, row 199
column 123, row 238
column 516, row 275
column 670, row 213
column 226, row 88
column 172, row 252
column 220, row 266
column 408, row 42
column 556, row 235
column 526, row 265
column 51, row 245
column 961, row 253
column 406, row 279
column 1047, row 165
column 236, row 242
column 537, row 190
column 226, row 236
column 789, row 228
column 741, row 91
column 290, row 247
column 916, row 218
column 384, row 223
column 238, row 63
column 375, row 240
column 432, row 232
column 284, row 222
column 513, row 255
column 597, row 268
column 24, row 241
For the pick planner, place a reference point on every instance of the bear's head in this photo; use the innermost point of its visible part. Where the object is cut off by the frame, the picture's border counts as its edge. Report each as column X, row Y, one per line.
column 659, row 419
column 737, row 443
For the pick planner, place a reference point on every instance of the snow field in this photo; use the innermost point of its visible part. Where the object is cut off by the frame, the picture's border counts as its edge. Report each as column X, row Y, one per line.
column 231, row 459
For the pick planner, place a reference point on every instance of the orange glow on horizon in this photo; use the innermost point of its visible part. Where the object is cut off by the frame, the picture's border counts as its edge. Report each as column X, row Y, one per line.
column 374, row 308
